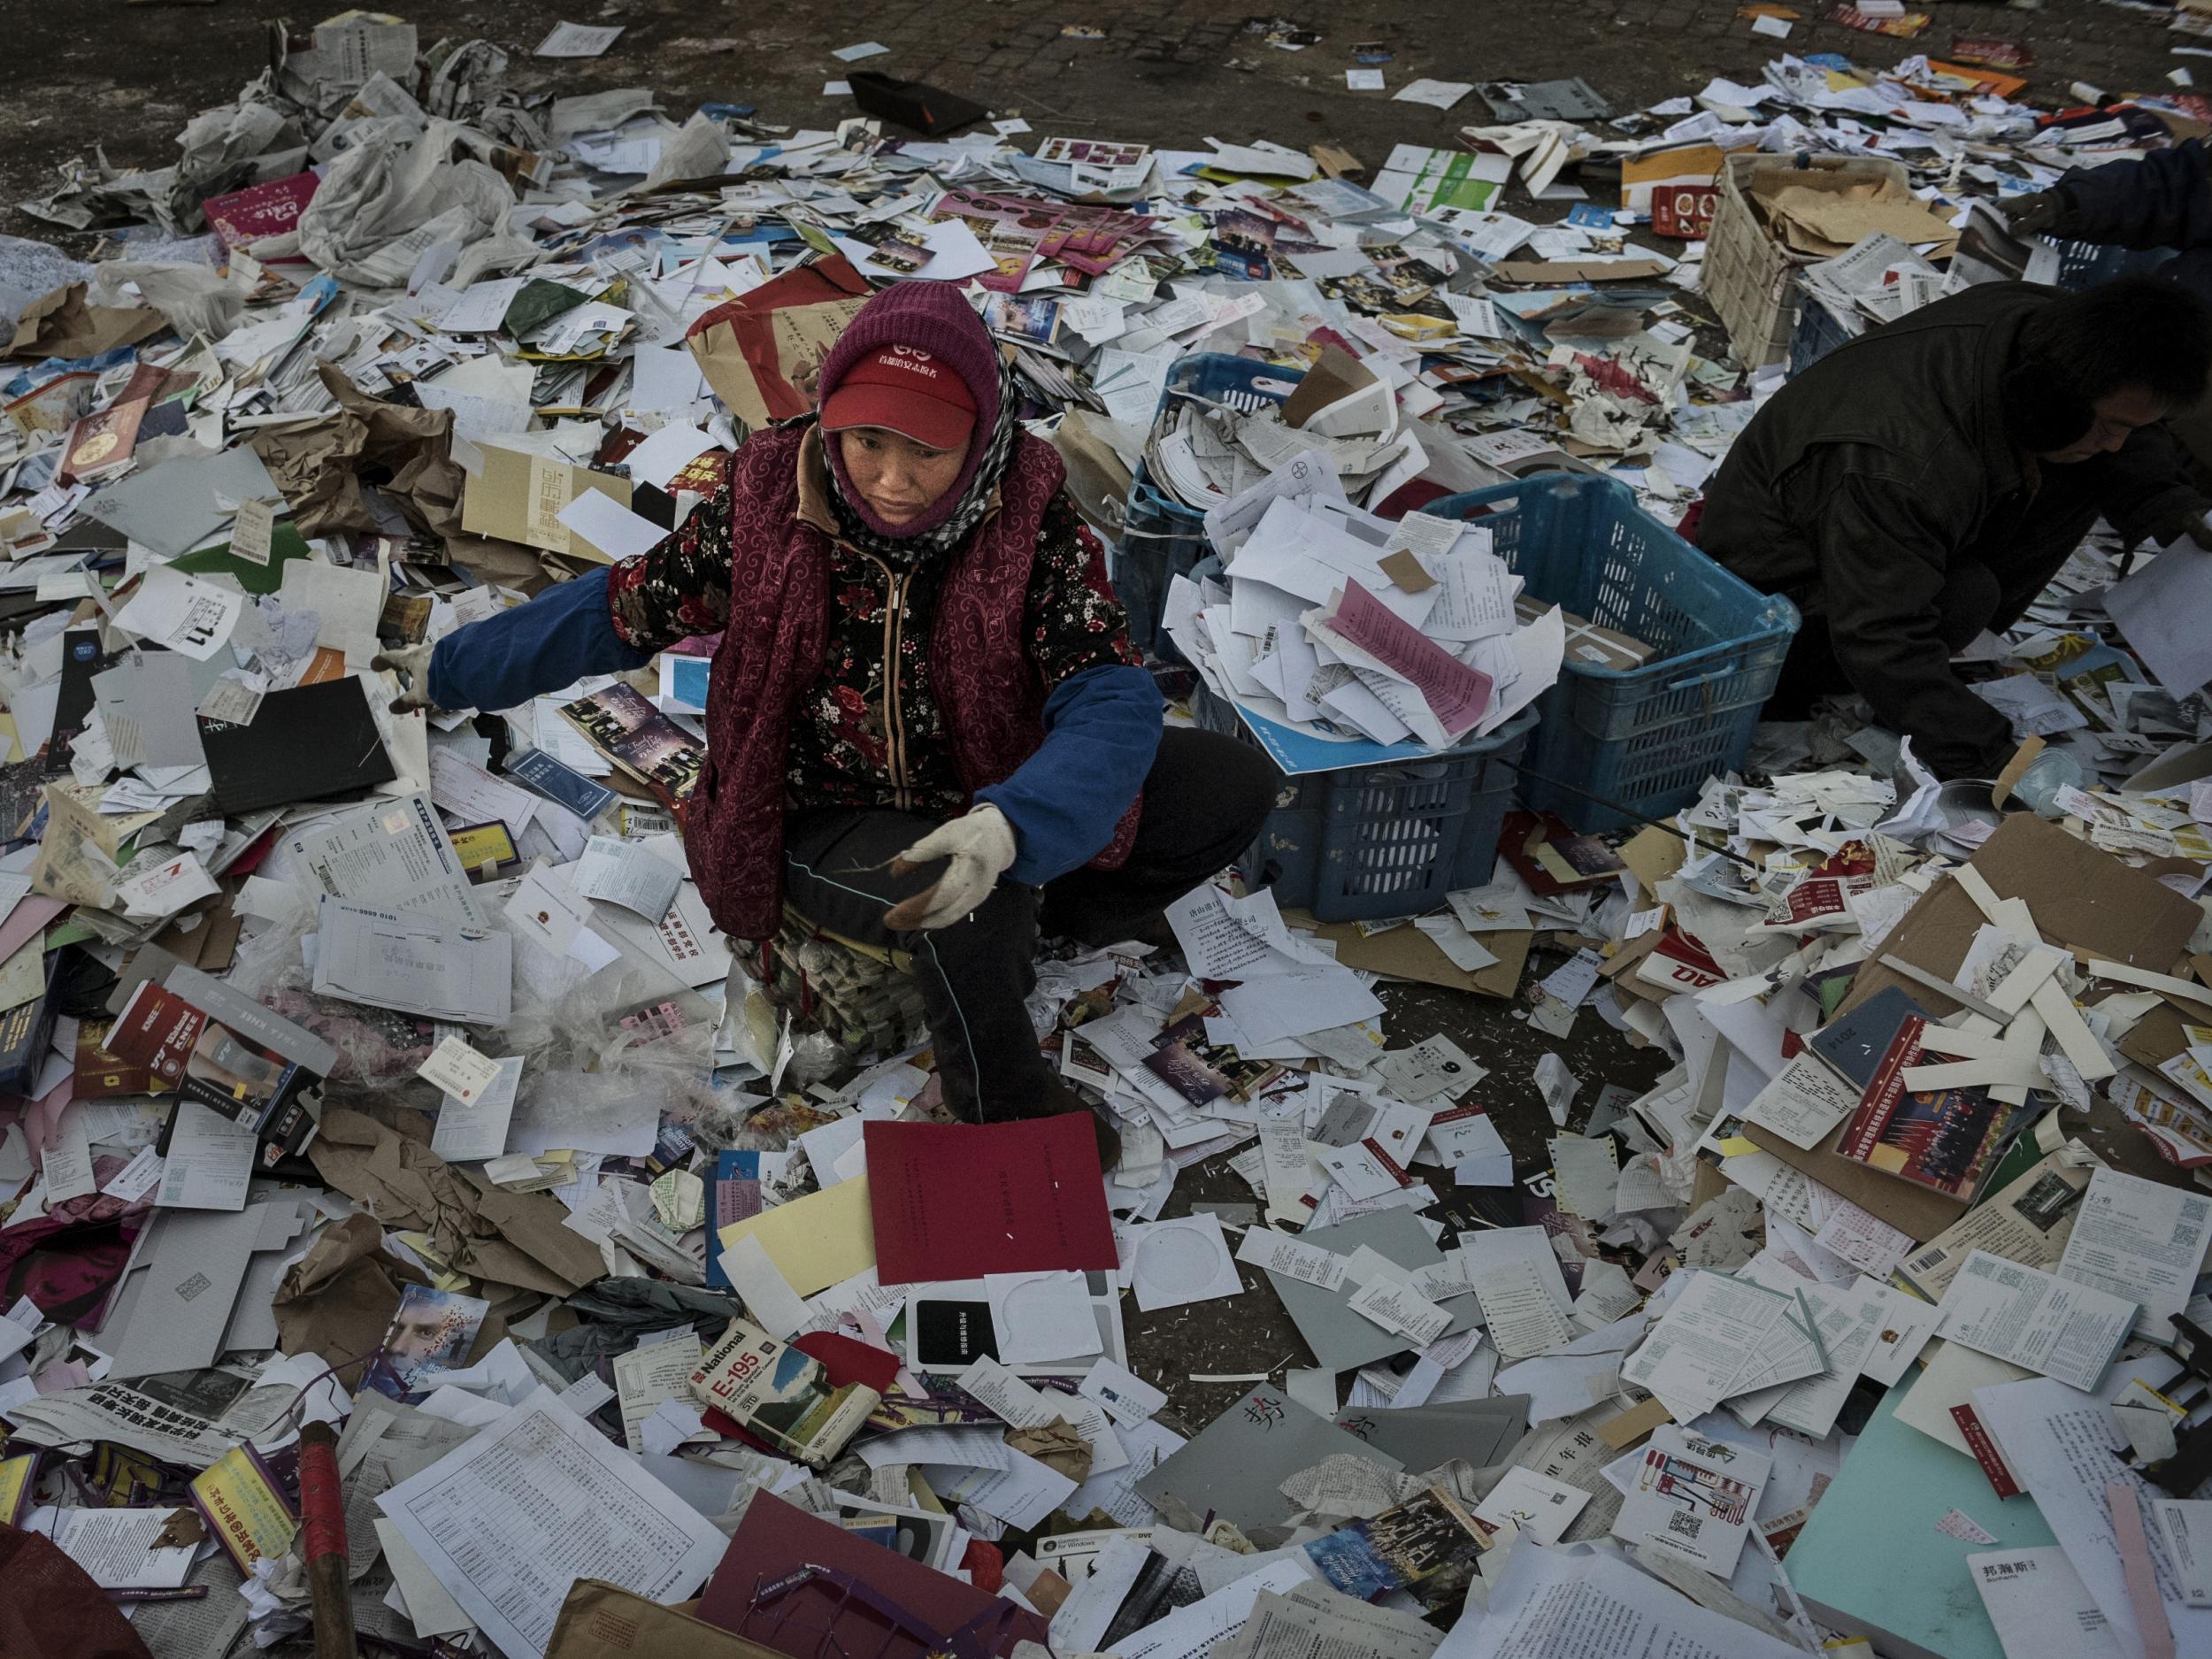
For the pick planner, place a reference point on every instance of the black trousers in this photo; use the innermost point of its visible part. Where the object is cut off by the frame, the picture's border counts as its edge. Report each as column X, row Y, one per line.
column 1204, row 801
column 1969, row 602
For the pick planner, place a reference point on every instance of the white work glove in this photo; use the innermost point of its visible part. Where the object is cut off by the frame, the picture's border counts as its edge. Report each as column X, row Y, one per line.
column 413, row 665
column 981, row 847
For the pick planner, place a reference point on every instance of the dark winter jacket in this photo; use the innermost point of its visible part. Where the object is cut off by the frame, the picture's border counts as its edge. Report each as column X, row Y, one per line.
column 2162, row 200
column 1870, row 480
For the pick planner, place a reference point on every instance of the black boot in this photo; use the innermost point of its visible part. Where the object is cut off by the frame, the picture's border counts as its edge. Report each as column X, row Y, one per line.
column 1059, row 1098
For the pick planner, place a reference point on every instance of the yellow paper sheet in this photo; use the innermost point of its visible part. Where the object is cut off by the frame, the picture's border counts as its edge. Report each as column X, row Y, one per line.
column 23, row 975
column 816, row 1242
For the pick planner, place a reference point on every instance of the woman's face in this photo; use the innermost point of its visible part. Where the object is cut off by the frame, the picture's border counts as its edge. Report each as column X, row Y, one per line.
column 898, row 477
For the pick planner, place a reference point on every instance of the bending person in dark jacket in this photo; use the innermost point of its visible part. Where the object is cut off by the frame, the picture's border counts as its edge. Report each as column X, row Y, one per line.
column 925, row 718
column 1925, row 482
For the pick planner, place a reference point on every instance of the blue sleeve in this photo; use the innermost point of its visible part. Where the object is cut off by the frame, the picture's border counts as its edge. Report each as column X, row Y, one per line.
column 1102, row 730
column 525, row 651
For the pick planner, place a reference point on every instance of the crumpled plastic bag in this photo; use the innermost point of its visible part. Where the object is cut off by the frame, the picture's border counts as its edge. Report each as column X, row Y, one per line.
column 195, row 299
column 382, row 204
column 320, row 466
column 615, row 1313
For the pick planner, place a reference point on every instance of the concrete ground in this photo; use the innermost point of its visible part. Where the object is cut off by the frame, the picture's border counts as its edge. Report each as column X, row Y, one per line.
column 127, row 77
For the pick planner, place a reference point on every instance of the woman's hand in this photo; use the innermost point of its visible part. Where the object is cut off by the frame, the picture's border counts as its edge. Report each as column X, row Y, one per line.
column 981, row 847
column 413, row 665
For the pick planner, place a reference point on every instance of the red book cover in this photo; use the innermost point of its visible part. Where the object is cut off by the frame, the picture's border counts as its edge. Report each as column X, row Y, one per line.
column 103, row 441
column 245, row 216
column 157, row 1030
column 1985, row 1452
column 782, row 1546
column 1864, row 1133
column 958, row 1201
column 101, row 1071
column 1684, row 211
column 1944, row 1139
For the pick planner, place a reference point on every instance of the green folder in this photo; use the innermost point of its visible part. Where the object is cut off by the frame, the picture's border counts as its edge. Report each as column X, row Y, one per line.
column 1871, row 1562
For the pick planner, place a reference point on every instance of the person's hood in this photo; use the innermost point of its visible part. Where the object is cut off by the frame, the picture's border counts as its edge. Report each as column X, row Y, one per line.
column 931, row 317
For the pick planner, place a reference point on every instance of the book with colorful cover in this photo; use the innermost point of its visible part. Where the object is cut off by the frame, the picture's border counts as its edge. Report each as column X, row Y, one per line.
column 26, row 1030
column 629, row 730
column 783, row 1396
column 245, row 1507
column 735, row 1196
column 1855, row 1043
column 101, row 444
column 17, row 1477
column 202, row 1061
column 268, row 208
column 1944, row 1139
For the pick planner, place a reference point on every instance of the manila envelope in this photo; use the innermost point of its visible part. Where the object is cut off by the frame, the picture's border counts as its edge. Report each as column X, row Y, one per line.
column 604, row 1621
column 519, row 497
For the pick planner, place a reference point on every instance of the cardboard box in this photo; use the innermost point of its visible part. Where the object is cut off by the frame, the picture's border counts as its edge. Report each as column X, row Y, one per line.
column 2083, row 899
column 1407, row 953
column 1587, row 642
column 518, row 497
column 1543, row 271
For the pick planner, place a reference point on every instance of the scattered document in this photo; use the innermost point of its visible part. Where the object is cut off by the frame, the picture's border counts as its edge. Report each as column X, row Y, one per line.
column 2140, row 1241
column 627, row 873
column 469, row 1130
column 2035, row 1320
column 394, row 855
column 509, row 1520
column 413, row 964
column 1693, row 1498
column 578, row 40
column 178, row 612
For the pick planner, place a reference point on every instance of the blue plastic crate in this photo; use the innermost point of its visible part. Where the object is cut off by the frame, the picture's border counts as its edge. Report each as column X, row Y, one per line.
column 2083, row 264
column 1387, row 839
column 1644, row 738
column 1160, row 539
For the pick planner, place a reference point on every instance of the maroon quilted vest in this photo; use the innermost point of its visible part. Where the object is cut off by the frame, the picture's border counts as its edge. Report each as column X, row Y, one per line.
column 992, row 694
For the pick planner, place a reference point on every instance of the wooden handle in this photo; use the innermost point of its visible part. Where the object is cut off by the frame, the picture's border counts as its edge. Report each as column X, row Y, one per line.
column 323, row 1529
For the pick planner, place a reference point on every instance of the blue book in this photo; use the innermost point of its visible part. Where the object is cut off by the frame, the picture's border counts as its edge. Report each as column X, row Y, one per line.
column 538, row 770
column 734, row 1197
